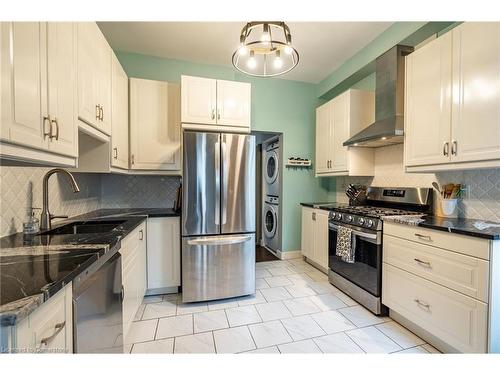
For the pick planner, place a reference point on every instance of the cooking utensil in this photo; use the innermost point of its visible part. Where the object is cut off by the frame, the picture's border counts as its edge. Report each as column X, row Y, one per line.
column 448, row 190
column 436, row 186
column 456, row 191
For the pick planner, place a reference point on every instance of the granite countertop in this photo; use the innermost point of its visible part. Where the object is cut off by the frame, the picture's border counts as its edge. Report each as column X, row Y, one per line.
column 452, row 225
column 35, row 267
column 318, row 204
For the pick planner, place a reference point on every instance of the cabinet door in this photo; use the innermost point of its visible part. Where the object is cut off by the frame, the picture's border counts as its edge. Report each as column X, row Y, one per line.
column 233, row 103
column 104, row 82
column 154, row 125
column 119, row 116
column 340, row 120
column 199, row 103
column 307, row 241
column 164, row 261
column 321, row 238
column 87, row 70
column 476, row 89
column 24, row 104
column 323, row 136
column 61, row 83
column 428, row 104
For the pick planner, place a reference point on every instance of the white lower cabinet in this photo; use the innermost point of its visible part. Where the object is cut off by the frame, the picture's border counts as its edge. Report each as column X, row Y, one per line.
column 315, row 236
column 164, row 253
column 440, row 282
column 48, row 329
column 133, row 252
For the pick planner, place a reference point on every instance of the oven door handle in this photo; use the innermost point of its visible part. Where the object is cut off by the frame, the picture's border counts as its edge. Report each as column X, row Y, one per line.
column 371, row 236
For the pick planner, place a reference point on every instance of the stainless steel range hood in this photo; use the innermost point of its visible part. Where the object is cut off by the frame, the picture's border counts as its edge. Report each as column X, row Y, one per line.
column 388, row 127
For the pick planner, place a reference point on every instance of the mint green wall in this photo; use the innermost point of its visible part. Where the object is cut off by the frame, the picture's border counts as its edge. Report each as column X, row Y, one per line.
column 278, row 106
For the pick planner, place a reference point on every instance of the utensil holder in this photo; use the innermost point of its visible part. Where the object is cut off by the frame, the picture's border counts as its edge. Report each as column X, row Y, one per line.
column 448, row 207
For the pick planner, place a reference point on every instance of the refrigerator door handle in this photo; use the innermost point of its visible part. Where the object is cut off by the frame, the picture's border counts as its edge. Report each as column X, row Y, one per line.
column 225, row 182
column 217, row 183
column 219, row 240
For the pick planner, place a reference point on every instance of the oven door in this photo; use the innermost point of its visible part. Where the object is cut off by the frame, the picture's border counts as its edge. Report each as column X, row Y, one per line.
column 366, row 271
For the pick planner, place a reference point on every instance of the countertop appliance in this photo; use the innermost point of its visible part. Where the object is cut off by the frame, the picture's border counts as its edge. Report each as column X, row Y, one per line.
column 362, row 280
column 97, row 308
column 218, row 216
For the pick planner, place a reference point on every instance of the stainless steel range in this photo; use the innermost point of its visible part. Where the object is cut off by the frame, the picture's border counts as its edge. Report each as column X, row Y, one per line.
column 362, row 280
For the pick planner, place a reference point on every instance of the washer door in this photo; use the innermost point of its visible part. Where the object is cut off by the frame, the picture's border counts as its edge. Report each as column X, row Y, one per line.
column 271, row 171
column 270, row 222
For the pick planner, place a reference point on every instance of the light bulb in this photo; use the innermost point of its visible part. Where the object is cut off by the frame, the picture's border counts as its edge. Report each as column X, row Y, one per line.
column 252, row 63
column 265, row 37
column 242, row 51
column 288, row 50
column 278, row 62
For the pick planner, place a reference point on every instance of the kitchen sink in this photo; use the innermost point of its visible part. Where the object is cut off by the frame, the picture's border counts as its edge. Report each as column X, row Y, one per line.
column 85, row 227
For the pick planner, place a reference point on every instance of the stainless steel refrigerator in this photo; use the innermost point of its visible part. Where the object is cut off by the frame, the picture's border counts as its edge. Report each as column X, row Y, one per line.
column 218, row 216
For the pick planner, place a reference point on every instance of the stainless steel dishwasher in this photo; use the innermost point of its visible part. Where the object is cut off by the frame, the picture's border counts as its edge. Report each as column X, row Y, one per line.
column 97, row 308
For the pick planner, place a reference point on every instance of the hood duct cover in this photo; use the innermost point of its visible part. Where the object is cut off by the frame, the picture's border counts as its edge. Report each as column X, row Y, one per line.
column 388, row 127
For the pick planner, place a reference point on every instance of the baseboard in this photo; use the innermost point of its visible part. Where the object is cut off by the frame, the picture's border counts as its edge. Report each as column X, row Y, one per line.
column 156, row 291
column 289, row 254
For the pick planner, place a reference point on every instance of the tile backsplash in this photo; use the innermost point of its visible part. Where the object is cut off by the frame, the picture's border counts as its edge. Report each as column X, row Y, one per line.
column 481, row 202
column 21, row 189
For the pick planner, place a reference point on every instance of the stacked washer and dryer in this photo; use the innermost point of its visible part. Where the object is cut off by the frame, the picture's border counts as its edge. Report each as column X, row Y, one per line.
column 271, row 218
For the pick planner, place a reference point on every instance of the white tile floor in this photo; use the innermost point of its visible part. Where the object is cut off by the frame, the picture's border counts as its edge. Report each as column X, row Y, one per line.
column 294, row 310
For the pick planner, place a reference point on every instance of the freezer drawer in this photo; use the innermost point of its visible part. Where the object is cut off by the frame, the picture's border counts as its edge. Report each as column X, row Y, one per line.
column 215, row 267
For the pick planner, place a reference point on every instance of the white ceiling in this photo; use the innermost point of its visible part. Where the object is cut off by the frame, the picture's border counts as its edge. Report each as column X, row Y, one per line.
column 323, row 46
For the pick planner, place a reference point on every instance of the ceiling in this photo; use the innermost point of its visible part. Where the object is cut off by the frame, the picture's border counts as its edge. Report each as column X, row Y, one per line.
column 323, row 46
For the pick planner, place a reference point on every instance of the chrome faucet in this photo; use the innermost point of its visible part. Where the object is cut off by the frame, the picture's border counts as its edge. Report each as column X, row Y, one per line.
column 46, row 217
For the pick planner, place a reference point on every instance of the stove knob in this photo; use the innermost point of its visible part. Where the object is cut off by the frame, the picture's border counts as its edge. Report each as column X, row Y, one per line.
column 361, row 221
column 349, row 218
column 370, row 223
column 339, row 216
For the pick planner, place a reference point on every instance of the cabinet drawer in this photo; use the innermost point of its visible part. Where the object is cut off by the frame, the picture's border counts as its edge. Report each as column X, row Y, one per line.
column 458, row 320
column 459, row 272
column 475, row 247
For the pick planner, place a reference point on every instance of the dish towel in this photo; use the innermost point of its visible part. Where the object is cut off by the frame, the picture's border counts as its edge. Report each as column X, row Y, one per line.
column 344, row 249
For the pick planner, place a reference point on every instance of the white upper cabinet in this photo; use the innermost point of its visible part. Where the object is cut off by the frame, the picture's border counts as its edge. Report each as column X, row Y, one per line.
column 24, row 113
column 476, row 83
column 323, row 136
column 233, row 103
column 337, row 121
column 119, row 116
column 215, row 104
column 428, row 104
column 453, row 101
column 155, row 130
column 38, row 71
column 94, row 77
column 199, row 100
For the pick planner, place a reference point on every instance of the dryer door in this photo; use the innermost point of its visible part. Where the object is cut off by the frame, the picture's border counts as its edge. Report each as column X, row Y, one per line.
column 271, row 171
column 270, row 221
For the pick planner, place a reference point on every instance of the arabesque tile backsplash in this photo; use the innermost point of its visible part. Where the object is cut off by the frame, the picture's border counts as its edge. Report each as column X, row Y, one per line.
column 482, row 202
column 21, row 189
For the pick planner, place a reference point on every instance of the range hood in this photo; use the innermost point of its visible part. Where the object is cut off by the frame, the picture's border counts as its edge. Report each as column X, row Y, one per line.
column 388, row 127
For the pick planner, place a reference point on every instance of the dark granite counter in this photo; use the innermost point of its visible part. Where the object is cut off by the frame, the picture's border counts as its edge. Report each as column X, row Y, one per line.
column 452, row 225
column 317, row 204
column 35, row 267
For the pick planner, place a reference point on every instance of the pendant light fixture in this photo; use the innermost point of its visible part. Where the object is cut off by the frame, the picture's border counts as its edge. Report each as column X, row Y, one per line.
column 265, row 49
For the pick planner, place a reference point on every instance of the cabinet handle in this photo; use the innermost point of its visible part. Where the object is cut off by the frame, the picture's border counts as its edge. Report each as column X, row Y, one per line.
column 122, row 293
column 132, row 159
column 54, row 121
column 446, row 148
column 422, row 237
column 213, row 114
column 454, row 147
column 141, row 232
column 420, row 303
column 102, row 113
column 422, row 262
column 97, row 112
column 45, row 133
column 58, row 328
column 218, row 115
column 115, row 152
column 314, row 216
